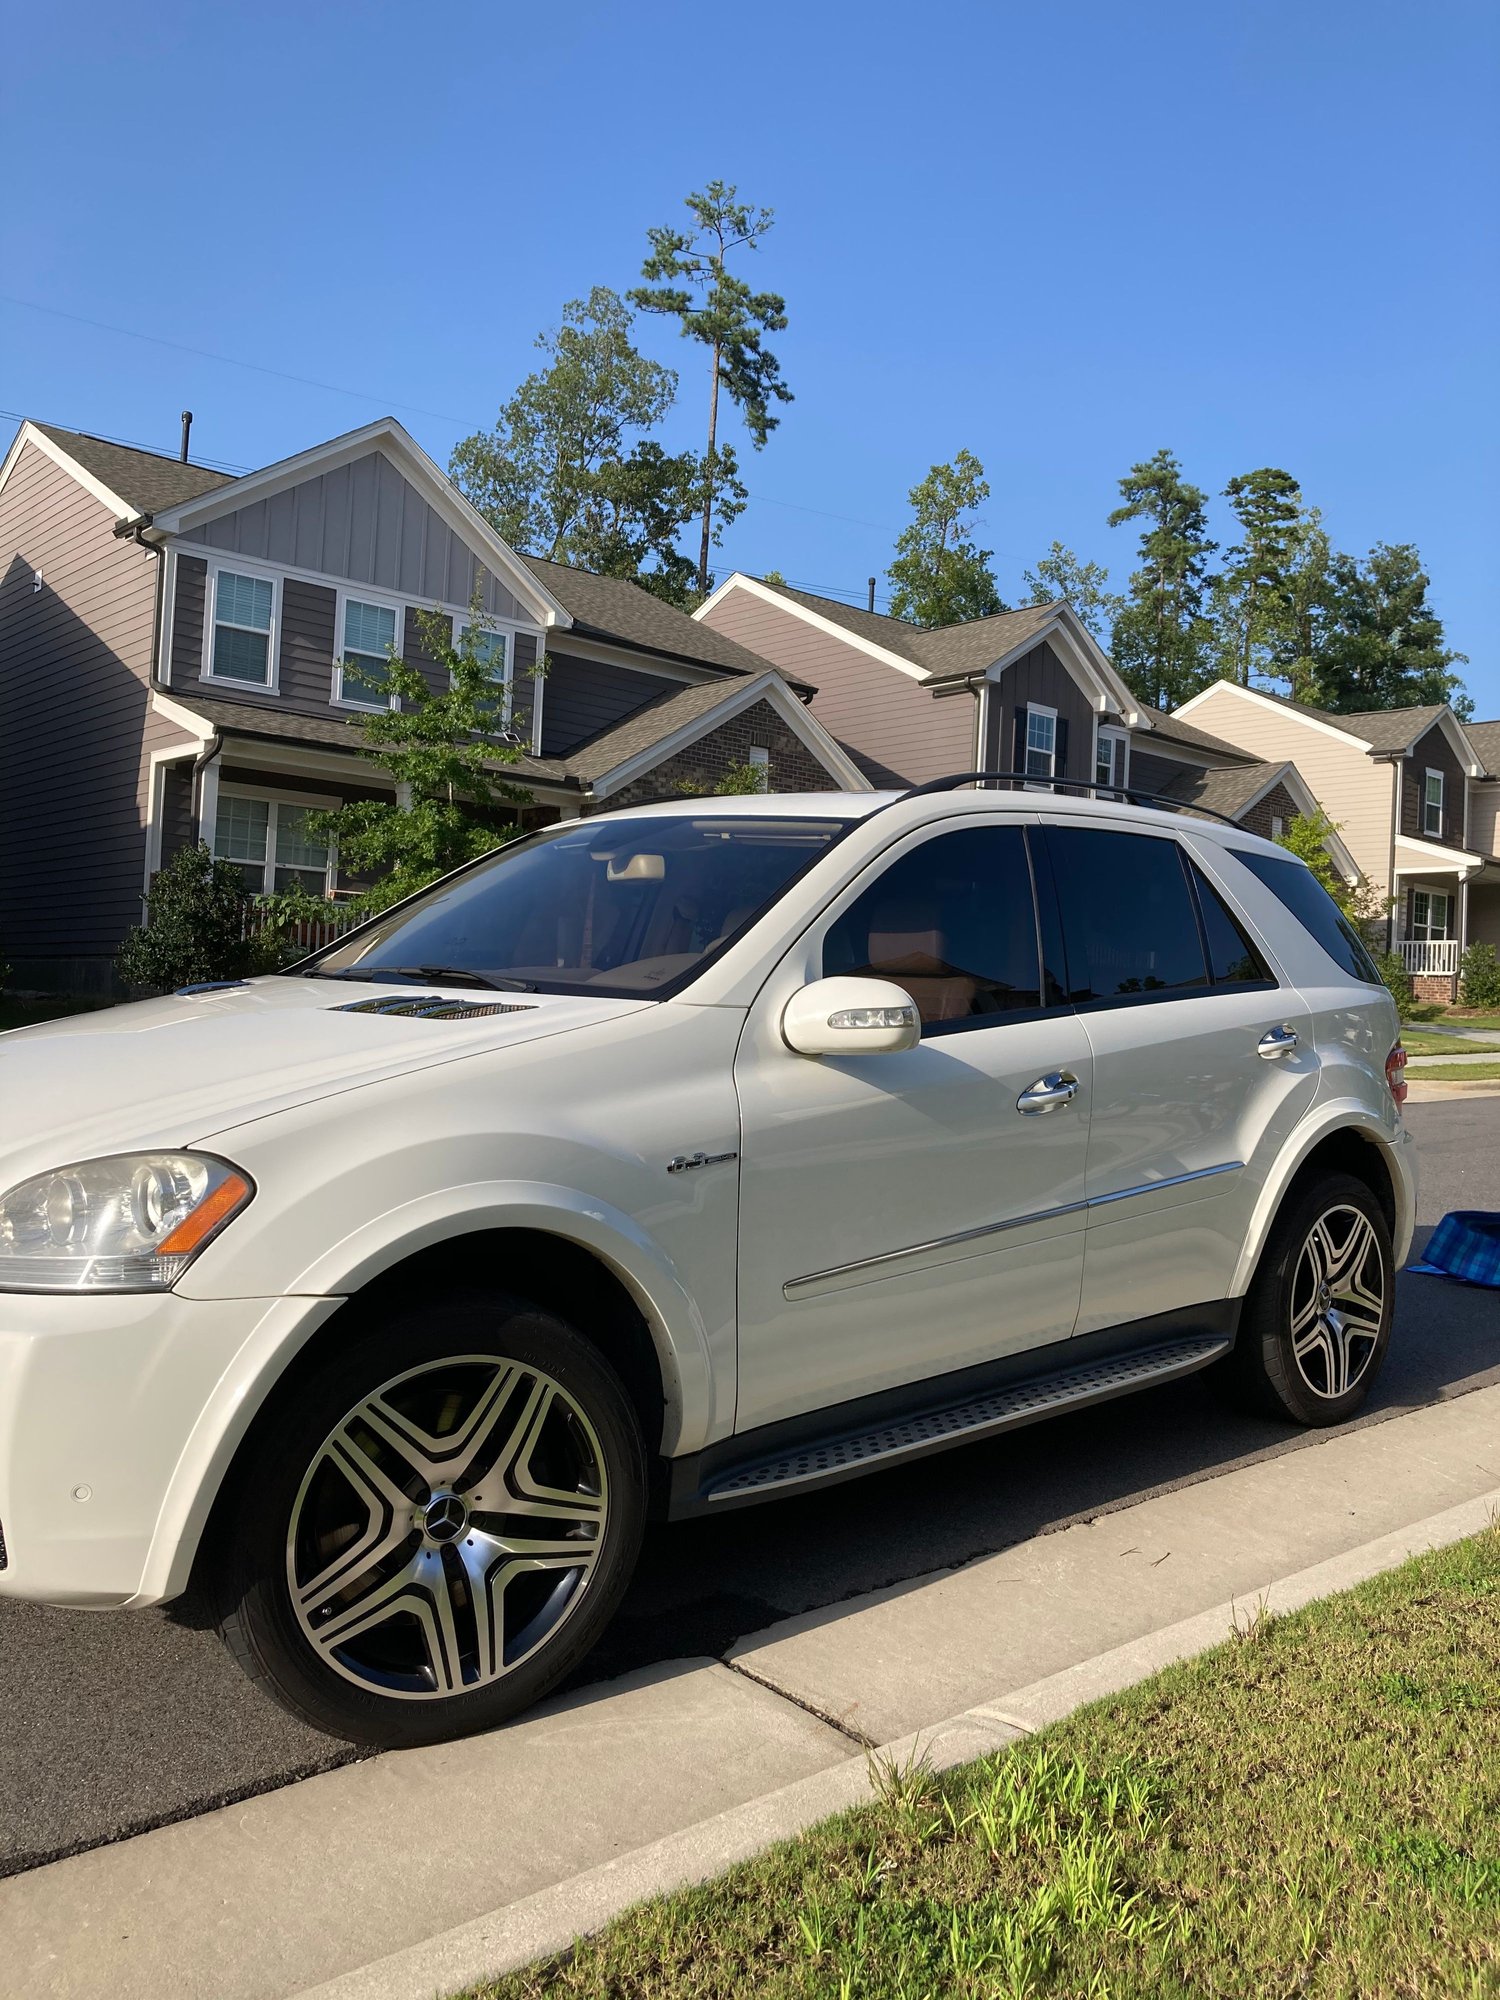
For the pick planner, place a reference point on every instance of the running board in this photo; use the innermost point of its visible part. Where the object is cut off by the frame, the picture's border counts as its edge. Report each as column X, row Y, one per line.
column 840, row 1455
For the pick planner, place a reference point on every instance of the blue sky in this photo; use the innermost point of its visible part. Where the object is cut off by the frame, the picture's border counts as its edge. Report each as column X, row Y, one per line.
column 1061, row 236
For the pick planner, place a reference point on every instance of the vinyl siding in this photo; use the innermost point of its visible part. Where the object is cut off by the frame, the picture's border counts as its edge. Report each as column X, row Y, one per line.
column 889, row 723
column 1155, row 774
column 1351, row 787
column 584, row 696
column 365, row 523
column 1484, row 915
column 1484, row 817
column 77, row 730
column 1038, row 676
column 1433, row 752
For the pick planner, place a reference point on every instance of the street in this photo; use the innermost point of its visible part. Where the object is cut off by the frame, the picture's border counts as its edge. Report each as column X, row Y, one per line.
column 118, row 1723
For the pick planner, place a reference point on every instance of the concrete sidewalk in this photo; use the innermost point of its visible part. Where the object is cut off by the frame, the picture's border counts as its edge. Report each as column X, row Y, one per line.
column 417, row 1872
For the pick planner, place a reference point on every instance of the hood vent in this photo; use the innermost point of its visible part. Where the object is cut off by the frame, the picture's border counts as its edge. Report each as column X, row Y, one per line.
column 433, row 1007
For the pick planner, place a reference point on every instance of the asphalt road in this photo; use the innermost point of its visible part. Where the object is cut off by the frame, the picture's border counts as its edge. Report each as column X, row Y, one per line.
column 111, row 1724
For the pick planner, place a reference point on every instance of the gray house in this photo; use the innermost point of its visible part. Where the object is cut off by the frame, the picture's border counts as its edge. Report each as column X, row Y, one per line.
column 185, row 655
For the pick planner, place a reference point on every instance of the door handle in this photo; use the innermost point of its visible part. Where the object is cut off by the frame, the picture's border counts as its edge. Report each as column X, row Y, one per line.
column 1049, row 1093
column 1277, row 1042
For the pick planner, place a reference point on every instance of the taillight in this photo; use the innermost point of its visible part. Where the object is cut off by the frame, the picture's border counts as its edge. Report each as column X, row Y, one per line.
column 1395, row 1073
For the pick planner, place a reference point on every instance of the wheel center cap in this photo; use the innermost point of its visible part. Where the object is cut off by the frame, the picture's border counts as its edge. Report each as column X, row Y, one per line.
column 1325, row 1296
column 444, row 1518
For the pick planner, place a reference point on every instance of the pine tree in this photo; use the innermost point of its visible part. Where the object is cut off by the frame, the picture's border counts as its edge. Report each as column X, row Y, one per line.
column 1252, row 598
column 940, row 575
column 1163, row 637
column 1385, row 646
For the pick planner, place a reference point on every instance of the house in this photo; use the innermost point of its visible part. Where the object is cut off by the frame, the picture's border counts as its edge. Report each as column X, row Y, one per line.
column 1415, row 793
column 1028, row 690
column 186, row 655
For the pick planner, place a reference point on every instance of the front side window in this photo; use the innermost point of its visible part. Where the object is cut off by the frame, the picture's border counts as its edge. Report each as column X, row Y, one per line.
column 633, row 907
column 1431, row 914
column 1432, row 805
column 243, row 610
column 1129, row 926
column 268, row 842
column 953, row 923
column 368, row 641
column 1232, row 959
column 1041, row 742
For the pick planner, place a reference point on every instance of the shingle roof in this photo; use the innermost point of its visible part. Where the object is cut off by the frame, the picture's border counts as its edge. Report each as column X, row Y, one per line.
column 1173, row 730
column 612, row 607
column 1384, row 729
column 646, row 727
column 1228, row 791
column 895, row 634
column 147, row 480
column 946, row 652
column 1485, row 736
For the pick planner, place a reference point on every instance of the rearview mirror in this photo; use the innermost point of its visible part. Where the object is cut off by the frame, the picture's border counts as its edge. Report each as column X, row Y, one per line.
column 851, row 1017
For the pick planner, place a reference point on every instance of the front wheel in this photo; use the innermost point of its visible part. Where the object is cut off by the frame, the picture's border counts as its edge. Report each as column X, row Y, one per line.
column 439, row 1526
column 1317, row 1321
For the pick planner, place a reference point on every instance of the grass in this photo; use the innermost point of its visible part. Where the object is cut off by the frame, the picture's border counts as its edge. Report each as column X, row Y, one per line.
column 1311, row 1809
column 18, row 1013
column 1419, row 1043
column 1474, row 1072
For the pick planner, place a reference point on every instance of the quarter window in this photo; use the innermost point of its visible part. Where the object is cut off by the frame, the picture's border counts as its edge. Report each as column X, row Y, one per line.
column 952, row 922
column 1432, row 804
column 268, row 841
column 243, row 613
column 1295, row 885
column 1130, row 930
column 369, row 639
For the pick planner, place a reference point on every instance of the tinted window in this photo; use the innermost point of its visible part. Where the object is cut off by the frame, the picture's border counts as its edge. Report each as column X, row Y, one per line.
column 1128, row 921
column 630, row 906
column 1295, row 885
column 1232, row 958
column 952, row 922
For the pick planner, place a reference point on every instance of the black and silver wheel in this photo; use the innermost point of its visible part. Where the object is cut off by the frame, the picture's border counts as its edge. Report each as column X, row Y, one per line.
column 1317, row 1321
column 451, row 1516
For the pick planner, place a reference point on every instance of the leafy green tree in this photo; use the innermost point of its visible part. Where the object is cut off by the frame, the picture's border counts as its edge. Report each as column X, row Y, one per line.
column 195, row 929
column 567, row 471
column 940, row 576
column 442, row 746
column 1306, row 836
column 690, row 280
column 1083, row 585
column 1252, row 597
column 1162, row 638
column 1384, row 646
column 1479, row 977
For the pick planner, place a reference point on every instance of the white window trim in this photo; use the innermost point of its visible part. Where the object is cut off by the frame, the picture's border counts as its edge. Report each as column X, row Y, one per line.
column 511, row 632
column 1428, row 934
column 238, row 567
column 1107, row 733
column 1442, row 800
column 359, row 594
column 1039, row 708
column 274, row 797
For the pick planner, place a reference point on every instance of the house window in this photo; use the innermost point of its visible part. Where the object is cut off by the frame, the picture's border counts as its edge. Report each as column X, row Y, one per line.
column 760, row 761
column 1431, row 914
column 1110, row 766
column 493, row 650
column 1432, row 805
column 268, row 841
column 1277, row 824
column 243, row 620
column 1041, row 742
column 362, row 674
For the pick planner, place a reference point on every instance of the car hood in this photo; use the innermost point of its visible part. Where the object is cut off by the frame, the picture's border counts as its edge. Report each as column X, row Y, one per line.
column 166, row 1072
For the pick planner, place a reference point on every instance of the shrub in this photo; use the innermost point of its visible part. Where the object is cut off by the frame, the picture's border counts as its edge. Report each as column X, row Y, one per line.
column 1392, row 969
column 1479, row 977
column 195, row 929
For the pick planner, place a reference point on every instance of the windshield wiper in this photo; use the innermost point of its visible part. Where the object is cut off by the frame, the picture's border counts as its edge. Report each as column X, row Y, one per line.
column 451, row 975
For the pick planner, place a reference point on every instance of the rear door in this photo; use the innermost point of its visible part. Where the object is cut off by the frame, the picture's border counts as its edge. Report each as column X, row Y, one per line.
column 1203, row 1062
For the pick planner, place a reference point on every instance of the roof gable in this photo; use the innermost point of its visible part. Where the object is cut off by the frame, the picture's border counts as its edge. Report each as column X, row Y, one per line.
column 128, row 481
column 614, row 608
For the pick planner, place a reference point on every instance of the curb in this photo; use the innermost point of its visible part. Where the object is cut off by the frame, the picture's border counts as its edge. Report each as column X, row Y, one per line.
column 548, row 1923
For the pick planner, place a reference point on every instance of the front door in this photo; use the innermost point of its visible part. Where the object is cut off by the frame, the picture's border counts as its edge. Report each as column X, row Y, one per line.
column 901, row 1216
column 1203, row 1064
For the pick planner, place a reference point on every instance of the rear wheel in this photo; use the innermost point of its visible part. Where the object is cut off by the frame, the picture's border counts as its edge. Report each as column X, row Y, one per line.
column 1317, row 1321
column 440, row 1526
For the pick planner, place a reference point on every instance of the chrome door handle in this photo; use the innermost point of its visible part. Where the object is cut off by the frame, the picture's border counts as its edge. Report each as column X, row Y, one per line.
column 1049, row 1093
column 1277, row 1042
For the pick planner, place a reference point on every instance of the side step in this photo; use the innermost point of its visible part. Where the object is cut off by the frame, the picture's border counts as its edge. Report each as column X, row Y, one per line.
column 839, row 1456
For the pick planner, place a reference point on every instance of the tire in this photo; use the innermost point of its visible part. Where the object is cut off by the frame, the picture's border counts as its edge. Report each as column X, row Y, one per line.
column 435, row 1528
column 1317, row 1320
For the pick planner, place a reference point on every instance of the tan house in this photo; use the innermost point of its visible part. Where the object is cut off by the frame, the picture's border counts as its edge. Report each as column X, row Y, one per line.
column 1415, row 795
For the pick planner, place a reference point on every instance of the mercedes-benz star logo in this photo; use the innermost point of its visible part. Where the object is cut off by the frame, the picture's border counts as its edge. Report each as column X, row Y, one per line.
column 445, row 1517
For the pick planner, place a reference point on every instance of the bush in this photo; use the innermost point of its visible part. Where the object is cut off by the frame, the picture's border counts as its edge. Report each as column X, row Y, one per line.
column 1479, row 977
column 195, row 929
column 1392, row 969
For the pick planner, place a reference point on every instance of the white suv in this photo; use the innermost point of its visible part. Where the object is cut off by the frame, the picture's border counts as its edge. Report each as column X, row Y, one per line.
column 672, row 1159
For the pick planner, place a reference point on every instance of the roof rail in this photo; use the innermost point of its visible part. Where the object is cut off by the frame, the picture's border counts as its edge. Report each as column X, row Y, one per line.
column 1031, row 780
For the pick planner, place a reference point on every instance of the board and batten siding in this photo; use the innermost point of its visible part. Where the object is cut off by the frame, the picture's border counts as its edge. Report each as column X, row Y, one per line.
column 584, row 696
column 1354, row 790
column 1038, row 677
column 76, row 728
column 365, row 523
column 1433, row 752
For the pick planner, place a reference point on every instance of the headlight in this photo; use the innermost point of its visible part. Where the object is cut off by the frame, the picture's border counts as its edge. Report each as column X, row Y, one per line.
column 129, row 1223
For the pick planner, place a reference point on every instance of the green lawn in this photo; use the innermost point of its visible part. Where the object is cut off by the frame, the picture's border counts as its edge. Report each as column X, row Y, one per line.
column 1312, row 1809
column 1477, row 1072
column 16, row 1013
column 1419, row 1042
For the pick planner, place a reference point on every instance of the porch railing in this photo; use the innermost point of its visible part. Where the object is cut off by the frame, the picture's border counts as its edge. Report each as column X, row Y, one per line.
column 1437, row 957
column 307, row 934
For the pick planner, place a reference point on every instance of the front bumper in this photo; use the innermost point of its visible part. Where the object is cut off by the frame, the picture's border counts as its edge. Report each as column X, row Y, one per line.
column 100, row 1396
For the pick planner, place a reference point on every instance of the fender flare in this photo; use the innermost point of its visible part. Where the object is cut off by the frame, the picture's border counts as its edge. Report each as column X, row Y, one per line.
column 677, row 1332
column 1340, row 1114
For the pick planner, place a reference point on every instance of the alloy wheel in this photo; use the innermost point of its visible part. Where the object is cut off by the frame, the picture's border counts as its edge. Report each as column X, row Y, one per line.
column 447, row 1527
column 1338, row 1302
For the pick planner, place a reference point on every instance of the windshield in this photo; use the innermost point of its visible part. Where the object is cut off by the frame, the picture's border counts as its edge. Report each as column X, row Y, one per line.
column 631, row 907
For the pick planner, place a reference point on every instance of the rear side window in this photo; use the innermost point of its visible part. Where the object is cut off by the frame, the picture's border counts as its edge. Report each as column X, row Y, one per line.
column 1232, row 958
column 1294, row 885
column 953, row 922
column 1129, row 925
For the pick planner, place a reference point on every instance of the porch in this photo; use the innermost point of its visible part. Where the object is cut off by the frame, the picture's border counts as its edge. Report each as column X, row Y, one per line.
column 1444, row 901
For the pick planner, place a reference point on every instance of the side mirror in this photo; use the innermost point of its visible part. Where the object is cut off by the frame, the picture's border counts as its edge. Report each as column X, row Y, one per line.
column 851, row 1017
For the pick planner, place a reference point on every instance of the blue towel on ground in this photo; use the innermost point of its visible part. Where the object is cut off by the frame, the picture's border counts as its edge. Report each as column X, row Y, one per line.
column 1465, row 1244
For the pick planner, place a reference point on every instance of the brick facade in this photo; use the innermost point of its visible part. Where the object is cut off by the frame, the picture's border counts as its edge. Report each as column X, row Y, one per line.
column 1278, row 803
column 701, row 765
column 1430, row 987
